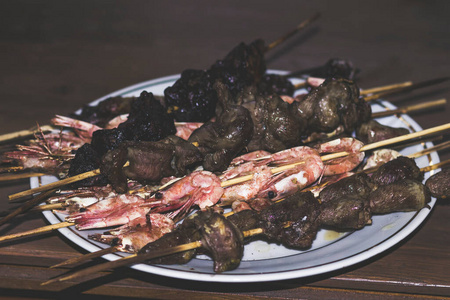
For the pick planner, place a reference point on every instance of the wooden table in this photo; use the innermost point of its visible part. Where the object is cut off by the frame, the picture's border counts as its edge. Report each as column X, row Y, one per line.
column 57, row 56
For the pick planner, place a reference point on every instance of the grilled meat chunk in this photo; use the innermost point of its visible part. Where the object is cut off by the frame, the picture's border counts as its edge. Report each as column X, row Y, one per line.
column 400, row 168
column 439, row 184
column 372, row 131
column 403, row 195
column 347, row 212
column 359, row 185
column 222, row 140
column 291, row 222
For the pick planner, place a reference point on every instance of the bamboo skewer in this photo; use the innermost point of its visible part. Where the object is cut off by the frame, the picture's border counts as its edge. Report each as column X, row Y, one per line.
column 406, row 88
column 410, row 108
column 135, row 258
column 84, row 257
column 35, row 231
column 24, row 133
column 9, row 177
column 385, row 88
column 299, row 27
column 82, row 176
column 28, row 205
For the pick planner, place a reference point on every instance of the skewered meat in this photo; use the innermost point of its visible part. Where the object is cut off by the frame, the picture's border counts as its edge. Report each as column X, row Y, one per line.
column 350, row 211
column 276, row 125
column 243, row 66
column 105, row 110
column 149, row 161
column 358, row 185
column 192, row 97
column 271, row 84
column 331, row 104
column 403, row 195
column 372, row 131
column 222, row 140
column 291, row 222
column 439, row 184
column 400, row 168
column 86, row 159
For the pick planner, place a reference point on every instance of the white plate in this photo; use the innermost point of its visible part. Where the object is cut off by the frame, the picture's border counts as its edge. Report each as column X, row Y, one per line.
column 269, row 262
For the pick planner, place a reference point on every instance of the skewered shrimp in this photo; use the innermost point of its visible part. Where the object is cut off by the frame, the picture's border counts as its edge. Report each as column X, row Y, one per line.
column 294, row 179
column 132, row 236
column 342, row 164
column 201, row 188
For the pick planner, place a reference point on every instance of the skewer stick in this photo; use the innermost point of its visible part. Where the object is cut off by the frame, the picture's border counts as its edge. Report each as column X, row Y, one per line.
column 367, row 147
column 8, row 177
column 291, row 33
column 385, row 88
column 23, row 133
column 411, row 108
column 135, row 258
column 81, row 258
column 37, row 230
column 28, row 205
column 407, row 88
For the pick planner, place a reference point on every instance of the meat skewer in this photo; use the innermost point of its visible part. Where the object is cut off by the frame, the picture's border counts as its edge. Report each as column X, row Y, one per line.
column 63, row 182
column 279, row 224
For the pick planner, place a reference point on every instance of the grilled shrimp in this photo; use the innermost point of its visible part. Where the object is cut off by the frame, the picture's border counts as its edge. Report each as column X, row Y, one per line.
column 294, row 179
column 201, row 188
column 112, row 211
column 342, row 164
column 134, row 235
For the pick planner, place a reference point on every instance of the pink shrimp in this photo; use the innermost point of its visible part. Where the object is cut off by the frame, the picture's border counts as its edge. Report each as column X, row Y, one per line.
column 115, row 122
column 201, row 188
column 346, row 163
column 248, row 189
column 116, row 210
column 294, row 179
column 48, row 152
column 83, row 129
column 252, row 156
column 185, row 129
column 134, row 235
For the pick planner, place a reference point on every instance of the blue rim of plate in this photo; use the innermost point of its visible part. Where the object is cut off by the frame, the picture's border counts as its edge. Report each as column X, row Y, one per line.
column 340, row 253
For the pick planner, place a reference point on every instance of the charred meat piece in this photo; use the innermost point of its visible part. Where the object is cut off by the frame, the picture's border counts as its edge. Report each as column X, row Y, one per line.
column 346, row 212
column 271, row 84
column 221, row 239
column 400, row 168
column 331, row 104
column 105, row 110
column 191, row 98
column 86, row 159
column 222, row 140
column 276, row 125
column 245, row 219
column 439, row 184
column 149, row 161
column 182, row 235
column 243, row 66
column 148, row 120
column 403, row 195
column 291, row 222
column 107, row 139
column 358, row 185
column 372, row 131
